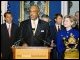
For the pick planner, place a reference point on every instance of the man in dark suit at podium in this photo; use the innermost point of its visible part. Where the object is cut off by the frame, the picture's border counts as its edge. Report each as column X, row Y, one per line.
column 34, row 31
column 8, row 32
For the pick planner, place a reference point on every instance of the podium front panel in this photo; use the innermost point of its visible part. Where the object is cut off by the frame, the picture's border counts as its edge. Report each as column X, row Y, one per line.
column 31, row 53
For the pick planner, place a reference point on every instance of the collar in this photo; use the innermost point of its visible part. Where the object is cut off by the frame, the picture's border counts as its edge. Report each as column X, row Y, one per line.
column 68, row 29
column 58, row 25
column 7, row 24
column 35, row 19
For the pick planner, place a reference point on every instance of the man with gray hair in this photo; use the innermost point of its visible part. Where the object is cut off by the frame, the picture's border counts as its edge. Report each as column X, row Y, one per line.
column 34, row 31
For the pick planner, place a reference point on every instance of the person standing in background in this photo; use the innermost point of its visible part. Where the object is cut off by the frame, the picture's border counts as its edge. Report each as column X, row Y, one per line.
column 77, row 20
column 45, row 18
column 54, row 30
column 8, row 33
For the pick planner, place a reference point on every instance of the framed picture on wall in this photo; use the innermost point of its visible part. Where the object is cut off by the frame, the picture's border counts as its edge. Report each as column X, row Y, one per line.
column 73, row 6
column 25, row 5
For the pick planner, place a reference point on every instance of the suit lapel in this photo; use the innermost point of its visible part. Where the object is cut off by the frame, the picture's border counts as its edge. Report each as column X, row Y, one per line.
column 30, row 27
column 55, row 29
column 38, row 27
column 12, row 30
column 6, row 30
column 62, row 27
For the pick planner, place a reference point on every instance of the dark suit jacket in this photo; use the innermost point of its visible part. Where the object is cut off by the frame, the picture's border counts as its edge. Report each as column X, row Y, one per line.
column 7, row 42
column 54, row 32
column 42, row 33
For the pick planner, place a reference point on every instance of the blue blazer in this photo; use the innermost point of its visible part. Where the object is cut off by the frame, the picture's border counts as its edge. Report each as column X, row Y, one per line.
column 66, row 34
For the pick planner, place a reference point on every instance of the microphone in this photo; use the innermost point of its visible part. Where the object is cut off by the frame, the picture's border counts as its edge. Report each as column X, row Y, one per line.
column 19, row 38
column 45, row 42
column 47, row 37
column 49, row 44
column 17, row 43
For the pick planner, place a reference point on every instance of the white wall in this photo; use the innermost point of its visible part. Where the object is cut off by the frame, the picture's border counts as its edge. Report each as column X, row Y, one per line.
column 64, row 8
column 3, row 10
column 74, row 8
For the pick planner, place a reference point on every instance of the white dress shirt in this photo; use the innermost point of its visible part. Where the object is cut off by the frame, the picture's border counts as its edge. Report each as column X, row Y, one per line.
column 34, row 24
column 58, row 26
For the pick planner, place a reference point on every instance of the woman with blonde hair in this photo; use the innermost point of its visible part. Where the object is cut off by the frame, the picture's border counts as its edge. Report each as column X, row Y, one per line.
column 69, row 23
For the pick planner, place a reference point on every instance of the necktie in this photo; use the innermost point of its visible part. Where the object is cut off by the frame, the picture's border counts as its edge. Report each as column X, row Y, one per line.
column 58, row 28
column 34, row 27
column 9, row 30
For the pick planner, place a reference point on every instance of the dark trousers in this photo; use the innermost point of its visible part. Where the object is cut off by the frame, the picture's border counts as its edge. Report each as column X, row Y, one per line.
column 54, row 54
column 61, row 55
column 7, row 54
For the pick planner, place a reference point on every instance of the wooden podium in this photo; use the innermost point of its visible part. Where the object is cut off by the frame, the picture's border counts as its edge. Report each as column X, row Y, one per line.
column 31, row 52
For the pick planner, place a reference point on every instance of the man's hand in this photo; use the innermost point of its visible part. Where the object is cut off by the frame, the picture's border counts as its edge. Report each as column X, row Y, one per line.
column 1, row 55
column 52, row 43
column 24, row 45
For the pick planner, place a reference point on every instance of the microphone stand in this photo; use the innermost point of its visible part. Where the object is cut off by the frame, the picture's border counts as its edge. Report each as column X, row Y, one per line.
column 20, row 39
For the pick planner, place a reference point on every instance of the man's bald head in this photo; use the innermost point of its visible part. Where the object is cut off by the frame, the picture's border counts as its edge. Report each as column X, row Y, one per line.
column 34, row 12
column 34, row 7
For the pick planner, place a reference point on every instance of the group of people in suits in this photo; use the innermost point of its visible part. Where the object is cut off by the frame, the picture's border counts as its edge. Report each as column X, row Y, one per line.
column 36, row 32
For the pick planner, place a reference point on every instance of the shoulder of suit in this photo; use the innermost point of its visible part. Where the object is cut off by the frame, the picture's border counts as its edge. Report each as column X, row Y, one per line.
column 3, row 24
column 62, row 31
column 28, row 20
column 43, row 22
column 14, row 24
column 75, row 31
column 25, row 21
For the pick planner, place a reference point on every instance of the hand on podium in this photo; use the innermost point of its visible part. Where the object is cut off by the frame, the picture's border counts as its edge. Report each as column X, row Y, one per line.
column 1, row 55
column 52, row 43
column 25, row 45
